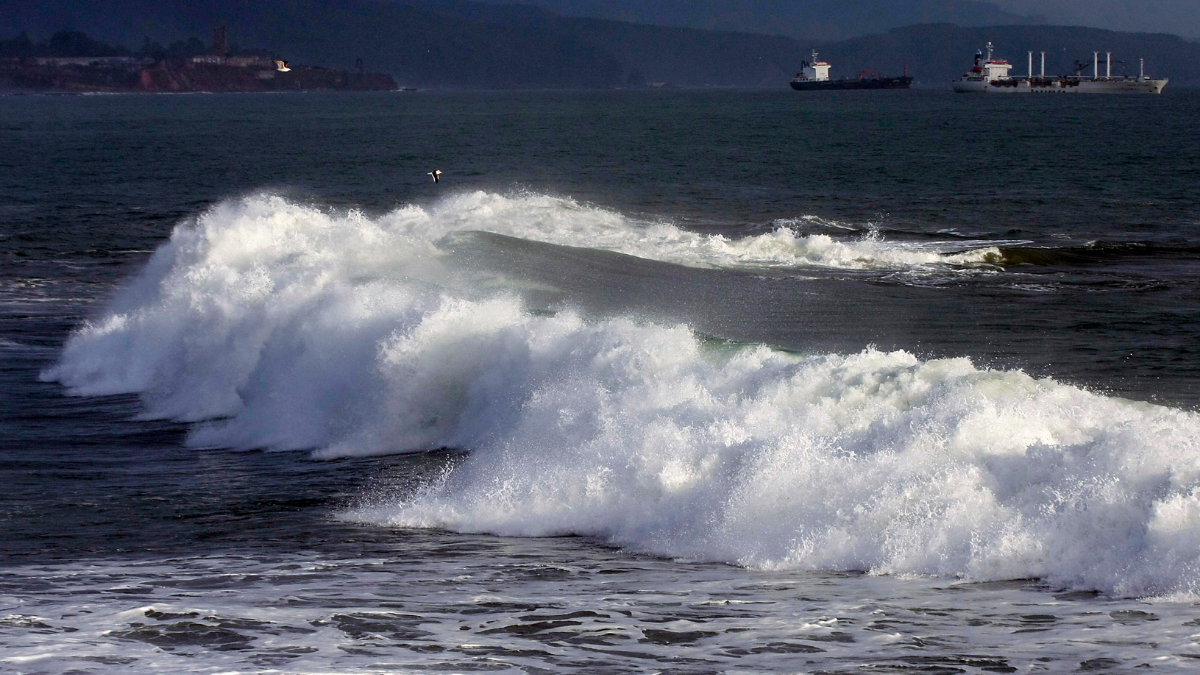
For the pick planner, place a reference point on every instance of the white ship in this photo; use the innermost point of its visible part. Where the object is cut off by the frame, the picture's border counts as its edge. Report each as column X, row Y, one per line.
column 991, row 76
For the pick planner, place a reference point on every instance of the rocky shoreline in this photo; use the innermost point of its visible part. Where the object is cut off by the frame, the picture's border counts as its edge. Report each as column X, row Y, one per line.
column 216, row 75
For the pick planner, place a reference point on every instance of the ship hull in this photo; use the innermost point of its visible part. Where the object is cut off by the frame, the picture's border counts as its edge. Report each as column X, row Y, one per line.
column 1085, row 86
column 1061, row 85
column 992, row 87
column 866, row 83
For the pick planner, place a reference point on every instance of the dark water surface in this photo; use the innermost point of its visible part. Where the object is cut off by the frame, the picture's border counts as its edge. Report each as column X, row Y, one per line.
column 1053, row 236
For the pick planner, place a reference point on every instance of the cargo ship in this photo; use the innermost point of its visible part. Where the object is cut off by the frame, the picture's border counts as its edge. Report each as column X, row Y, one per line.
column 990, row 75
column 814, row 76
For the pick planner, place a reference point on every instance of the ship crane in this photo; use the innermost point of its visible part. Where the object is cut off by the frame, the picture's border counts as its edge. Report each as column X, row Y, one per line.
column 1081, row 66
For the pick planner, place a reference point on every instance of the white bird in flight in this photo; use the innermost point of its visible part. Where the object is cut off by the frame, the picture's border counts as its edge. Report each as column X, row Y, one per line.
column 437, row 175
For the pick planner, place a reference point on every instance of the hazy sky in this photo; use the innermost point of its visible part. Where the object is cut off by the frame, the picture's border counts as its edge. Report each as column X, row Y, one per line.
column 798, row 17
column 1181, row 17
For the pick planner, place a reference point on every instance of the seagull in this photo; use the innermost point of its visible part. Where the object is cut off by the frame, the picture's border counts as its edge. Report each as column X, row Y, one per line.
column 437, row 175
column 282, row 66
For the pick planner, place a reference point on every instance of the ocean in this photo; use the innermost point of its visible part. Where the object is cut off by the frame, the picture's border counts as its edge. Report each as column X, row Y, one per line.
column 650, row 382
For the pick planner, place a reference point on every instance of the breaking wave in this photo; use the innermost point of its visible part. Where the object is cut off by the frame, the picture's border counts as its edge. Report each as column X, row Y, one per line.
column 274, row 325
column 565, row 222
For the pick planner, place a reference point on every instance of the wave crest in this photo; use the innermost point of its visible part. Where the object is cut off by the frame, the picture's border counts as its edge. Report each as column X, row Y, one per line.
column 565, row 222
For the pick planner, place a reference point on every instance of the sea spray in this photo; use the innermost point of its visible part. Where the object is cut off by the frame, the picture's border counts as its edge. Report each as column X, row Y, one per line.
column 873, row 461
column 274, row 325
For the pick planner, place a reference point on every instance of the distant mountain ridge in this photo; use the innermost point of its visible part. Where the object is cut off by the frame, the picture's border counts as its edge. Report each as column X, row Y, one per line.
column 473, row 45
column 1178, row 17
column 824, row 20
column 463, row 44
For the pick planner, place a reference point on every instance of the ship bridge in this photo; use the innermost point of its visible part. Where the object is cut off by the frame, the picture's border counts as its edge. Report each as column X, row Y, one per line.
column 814, row 71
column 993, row 69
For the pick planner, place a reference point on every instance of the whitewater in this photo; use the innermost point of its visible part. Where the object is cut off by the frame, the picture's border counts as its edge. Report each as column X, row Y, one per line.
column 271, row 324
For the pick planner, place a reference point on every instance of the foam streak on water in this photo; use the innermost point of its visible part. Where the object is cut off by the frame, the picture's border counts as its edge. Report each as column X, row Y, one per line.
column 278, row 326
column 554, row 606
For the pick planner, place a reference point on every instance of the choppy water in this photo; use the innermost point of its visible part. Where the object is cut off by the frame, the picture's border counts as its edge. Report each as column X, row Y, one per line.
column 653, row 381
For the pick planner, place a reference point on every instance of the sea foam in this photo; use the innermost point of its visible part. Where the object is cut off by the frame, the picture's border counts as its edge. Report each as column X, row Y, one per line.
column 279, row 326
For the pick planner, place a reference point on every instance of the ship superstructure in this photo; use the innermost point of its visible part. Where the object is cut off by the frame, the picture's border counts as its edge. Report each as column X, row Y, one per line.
column 990, row 75
column 813, row 71
column 814, row 75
